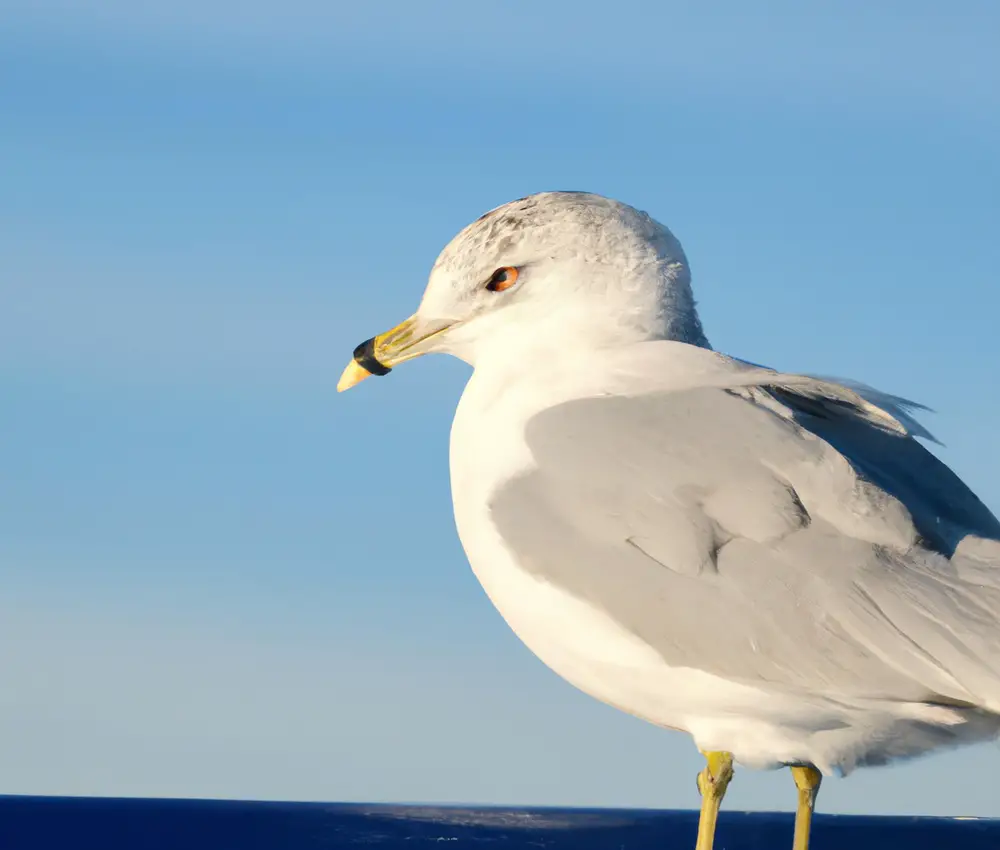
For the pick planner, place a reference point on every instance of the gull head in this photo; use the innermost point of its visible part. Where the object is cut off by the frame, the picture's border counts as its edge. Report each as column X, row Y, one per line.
column 541, row 276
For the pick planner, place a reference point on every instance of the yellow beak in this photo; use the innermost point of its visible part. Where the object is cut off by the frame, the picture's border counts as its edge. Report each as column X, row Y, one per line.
column 378, row 355
column 355, row 373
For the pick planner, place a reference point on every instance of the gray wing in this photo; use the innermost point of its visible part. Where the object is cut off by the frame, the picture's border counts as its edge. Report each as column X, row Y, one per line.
column 943, row 509
column 781, row 534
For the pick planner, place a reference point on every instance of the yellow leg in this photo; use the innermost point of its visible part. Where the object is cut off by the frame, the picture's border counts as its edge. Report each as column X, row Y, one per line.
column 712, row 783
column 807, row 780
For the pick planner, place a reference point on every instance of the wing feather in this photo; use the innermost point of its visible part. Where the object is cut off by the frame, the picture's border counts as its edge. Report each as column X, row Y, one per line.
column 789, row 532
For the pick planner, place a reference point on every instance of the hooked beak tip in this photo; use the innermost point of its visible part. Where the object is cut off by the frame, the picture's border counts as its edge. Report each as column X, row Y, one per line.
column 355, row 373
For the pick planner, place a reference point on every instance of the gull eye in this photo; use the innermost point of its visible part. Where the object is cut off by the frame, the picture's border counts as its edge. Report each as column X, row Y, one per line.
column 501, row 279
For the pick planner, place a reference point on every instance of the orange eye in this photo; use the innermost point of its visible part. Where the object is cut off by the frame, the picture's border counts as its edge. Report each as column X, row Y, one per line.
column 502, row 279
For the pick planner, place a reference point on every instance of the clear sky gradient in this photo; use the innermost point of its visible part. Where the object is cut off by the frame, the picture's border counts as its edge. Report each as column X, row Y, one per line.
column 218, row 578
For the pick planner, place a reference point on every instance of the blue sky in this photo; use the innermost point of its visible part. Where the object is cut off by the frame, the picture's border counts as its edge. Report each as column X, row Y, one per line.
column 205, row 206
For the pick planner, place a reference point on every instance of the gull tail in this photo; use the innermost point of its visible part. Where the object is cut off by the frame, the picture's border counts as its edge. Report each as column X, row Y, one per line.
column 954, row 607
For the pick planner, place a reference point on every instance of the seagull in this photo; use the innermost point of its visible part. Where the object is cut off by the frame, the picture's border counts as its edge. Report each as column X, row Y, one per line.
column 770, row 562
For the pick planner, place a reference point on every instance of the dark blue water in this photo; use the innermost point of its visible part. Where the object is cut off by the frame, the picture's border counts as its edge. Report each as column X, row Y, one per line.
column 65, row 823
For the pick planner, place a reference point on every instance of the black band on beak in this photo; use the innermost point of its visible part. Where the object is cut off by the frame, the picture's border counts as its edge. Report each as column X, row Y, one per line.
column 364, row 356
